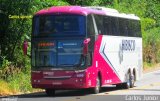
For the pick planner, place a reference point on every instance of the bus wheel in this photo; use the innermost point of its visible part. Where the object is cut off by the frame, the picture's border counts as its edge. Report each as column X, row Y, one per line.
column 50, row 92
column 96, row 89
column 132, row 81
column 127, row 84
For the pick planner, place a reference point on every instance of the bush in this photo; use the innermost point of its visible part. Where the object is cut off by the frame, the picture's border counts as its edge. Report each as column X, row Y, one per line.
column 4, row 88
column 151, row 45
column 16, row 79
column 20, row 82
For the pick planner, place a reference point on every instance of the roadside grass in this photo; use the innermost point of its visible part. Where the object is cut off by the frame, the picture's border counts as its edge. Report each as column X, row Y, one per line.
column 15, row 80
column 16, row 84
column 19, row 84
column 4, row 88
column 149, row 67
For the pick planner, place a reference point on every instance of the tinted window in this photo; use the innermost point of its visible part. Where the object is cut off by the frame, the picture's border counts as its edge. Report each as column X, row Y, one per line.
column 57, row 54
column 114, row 26
column 99, row 23
column 49, row 25
column 130, row 28
column 90, row 32
column 90, row 26
column 138, row 29
column 123, row 27
column 134, row 28
column 107, row 25
column 118, row 26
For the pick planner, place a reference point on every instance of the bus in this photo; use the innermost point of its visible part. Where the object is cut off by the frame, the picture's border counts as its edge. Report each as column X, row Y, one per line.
column 75, row 47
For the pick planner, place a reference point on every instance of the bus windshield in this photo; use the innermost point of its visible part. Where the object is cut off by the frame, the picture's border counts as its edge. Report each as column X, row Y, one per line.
column 58, row 25
column 57, row 54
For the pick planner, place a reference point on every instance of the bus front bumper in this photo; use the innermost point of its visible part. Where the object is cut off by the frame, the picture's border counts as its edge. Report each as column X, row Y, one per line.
column 72, row 83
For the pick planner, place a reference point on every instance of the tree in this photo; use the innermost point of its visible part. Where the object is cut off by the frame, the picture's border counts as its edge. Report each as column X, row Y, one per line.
column 19, row 14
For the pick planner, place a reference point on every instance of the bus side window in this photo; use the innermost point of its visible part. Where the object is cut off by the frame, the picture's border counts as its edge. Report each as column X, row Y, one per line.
column 130, row 28
column 123, row 27
column 90, row 34
column 138, row 29
column 115, row 27
column 90, row 26
column 133, row 28
column 107, row 25
column 99, row 23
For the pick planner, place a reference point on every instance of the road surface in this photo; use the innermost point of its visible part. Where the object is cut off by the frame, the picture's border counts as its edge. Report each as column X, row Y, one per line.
column 147, row 89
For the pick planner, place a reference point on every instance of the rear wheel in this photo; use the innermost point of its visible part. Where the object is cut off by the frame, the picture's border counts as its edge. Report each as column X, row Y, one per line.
column 132, row 80
column 50, row 92
column 128, row 82
column 96, row 89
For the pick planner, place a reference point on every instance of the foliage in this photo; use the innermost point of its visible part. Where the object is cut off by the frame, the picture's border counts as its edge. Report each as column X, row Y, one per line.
column 152, row 46
column 153, row 11
column 19, row 28
column 4, row 88
column 137, row 7
column 22, row 84
column 16, row 21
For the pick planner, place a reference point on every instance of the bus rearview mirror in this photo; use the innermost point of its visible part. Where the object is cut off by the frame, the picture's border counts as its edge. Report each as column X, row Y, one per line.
column 85, row 46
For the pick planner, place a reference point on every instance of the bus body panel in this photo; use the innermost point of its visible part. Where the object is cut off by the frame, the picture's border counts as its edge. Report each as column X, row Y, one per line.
column 122, row 54
column 107, row 74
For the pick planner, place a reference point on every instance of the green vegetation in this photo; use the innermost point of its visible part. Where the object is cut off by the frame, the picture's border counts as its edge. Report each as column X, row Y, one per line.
column 15, row 20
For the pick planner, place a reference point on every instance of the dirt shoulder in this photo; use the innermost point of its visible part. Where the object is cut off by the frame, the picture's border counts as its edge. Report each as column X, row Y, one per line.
column 151, row 69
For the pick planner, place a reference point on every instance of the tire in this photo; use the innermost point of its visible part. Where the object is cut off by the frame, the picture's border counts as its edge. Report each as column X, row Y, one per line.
column 132, row 81
column 97, row 89
column 127, row 84
column 50, row 92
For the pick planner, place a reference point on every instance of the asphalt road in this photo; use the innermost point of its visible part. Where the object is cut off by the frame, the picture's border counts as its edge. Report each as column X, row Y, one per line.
column 147, row 89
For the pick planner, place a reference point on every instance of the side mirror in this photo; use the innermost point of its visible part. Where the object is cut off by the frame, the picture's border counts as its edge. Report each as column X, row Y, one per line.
column 85, row 46
column 25, row 47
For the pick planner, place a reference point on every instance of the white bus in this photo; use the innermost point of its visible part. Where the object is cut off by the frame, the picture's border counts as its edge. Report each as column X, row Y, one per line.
column 77, row 47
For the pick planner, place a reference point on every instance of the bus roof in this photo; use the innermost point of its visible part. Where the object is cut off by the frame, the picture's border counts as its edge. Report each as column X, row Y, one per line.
column 86, row 11
column 68, row 9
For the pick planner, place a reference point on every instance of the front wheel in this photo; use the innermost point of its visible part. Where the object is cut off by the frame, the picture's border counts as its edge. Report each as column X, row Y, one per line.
column 96, row 89
column 50, row 92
